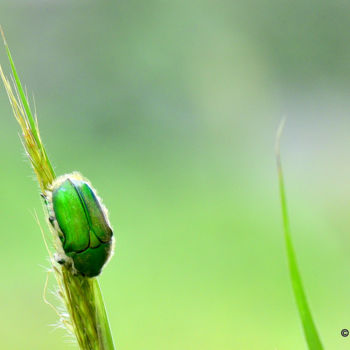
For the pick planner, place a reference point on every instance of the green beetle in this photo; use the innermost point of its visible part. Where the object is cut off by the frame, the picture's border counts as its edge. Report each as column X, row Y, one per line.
column 81, row 222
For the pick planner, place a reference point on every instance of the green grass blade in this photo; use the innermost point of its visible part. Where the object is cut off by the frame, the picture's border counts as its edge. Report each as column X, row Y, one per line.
column 21, row 92
column 104, row 330
column 28, row 113
column 310, row 332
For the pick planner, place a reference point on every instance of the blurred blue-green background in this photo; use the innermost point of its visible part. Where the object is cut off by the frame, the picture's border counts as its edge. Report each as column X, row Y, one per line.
column 170, row 109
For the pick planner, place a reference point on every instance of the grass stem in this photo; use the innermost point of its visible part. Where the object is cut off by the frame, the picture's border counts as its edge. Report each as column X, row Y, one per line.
column 310, row 332
column 86, row 315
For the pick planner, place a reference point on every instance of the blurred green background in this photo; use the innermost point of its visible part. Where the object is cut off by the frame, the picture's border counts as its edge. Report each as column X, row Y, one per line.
column 170, row 109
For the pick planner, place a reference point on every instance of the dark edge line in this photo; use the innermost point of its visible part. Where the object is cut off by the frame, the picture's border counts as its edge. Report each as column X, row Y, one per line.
column 86, row 212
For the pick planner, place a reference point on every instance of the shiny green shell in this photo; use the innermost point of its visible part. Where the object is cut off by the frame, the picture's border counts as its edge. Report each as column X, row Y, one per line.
column 83, row 226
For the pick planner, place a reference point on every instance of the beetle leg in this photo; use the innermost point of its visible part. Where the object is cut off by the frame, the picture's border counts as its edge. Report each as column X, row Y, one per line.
column 52, row 220
column 60, row 259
